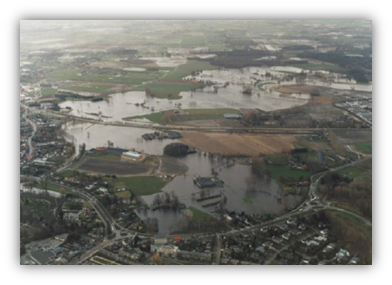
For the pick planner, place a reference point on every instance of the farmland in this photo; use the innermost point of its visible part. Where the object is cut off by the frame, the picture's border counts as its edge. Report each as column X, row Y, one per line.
column 96, row 165
column 237, row 144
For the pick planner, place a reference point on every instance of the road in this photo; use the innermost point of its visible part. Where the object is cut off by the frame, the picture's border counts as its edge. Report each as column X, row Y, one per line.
column 30, row 139
column 310, row 205
column 269, row 130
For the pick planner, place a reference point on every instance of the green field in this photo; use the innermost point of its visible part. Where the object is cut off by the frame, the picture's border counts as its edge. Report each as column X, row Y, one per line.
column 68, row 173
column 169, row 90
column 141, row 185
column 364, row 147
column 198, row 214
column 247, row 200
column 154, row 117
column 350, row 172
column 203, row 114
column 87, row 88
column 187, row 69
column 355, row 234
column 315, row 66
column 278, row 171
column 188, row 115
column 52, row 187
column 103, row 155
column 123, row 194
column 134, row 78
column 48, row 92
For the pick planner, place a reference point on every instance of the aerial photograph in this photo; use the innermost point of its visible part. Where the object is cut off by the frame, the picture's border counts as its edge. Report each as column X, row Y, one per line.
column 195, row 142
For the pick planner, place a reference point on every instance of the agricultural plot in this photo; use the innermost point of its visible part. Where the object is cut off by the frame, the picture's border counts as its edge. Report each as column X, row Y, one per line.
column 364, row 147
column 105, row 166
column 236, row 144
column 134, row 78
column 141, row 185
column 277, row 172
column 350, row 172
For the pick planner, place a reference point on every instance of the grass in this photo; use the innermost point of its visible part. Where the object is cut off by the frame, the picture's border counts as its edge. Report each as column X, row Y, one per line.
column 154, row 117
column 141, row 185
column 123, row 194
column 355, row 234
column 134, row 78
column 53, row 187
column 48, row 92
column 350, row 172
column 187, row 69
column 102, row 155
column 91, row 89
column 315, row 66
column 364, row 147
column 198, row 215
column 188, row 115
column 203, row 114
column 169, row 90
column 247, row 200
column 68, row 173
column 281, row 171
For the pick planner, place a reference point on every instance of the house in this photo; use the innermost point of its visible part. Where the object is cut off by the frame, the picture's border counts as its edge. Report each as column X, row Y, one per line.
column 354, row 261
column 198, row 256
column 103, row 190
column 232, row 116
column 324, row 232
column 312, row 243
column 160, row 240
column 320, row 238
column 277, row 240
column 342, row 255
column 286, row 236
column 169, row 251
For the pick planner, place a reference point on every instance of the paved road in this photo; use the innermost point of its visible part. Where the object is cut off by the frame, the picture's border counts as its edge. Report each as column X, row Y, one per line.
column 185, row 127
column 30, row 139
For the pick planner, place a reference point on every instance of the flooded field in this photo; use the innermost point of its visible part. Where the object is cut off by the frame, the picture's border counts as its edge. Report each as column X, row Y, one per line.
column 167, row 61
column 226, row 91
column 242, row 189
column 123, row 137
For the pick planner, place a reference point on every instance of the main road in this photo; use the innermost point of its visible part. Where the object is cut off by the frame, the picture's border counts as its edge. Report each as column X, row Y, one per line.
column 30, row 139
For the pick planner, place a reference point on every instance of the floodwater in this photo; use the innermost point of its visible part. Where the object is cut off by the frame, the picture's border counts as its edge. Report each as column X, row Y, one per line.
column 173, row 61
column 242, row 189
column 123, row 137
column 119, row 106
column 122, row 105
column 137, row 69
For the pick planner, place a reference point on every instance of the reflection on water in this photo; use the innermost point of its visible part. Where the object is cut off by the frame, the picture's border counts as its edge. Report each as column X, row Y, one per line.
column 123, row 137
column 119, row 106
column 243, row 191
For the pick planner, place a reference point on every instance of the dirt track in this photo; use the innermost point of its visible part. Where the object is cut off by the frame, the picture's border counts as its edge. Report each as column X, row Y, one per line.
column 238, row 144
